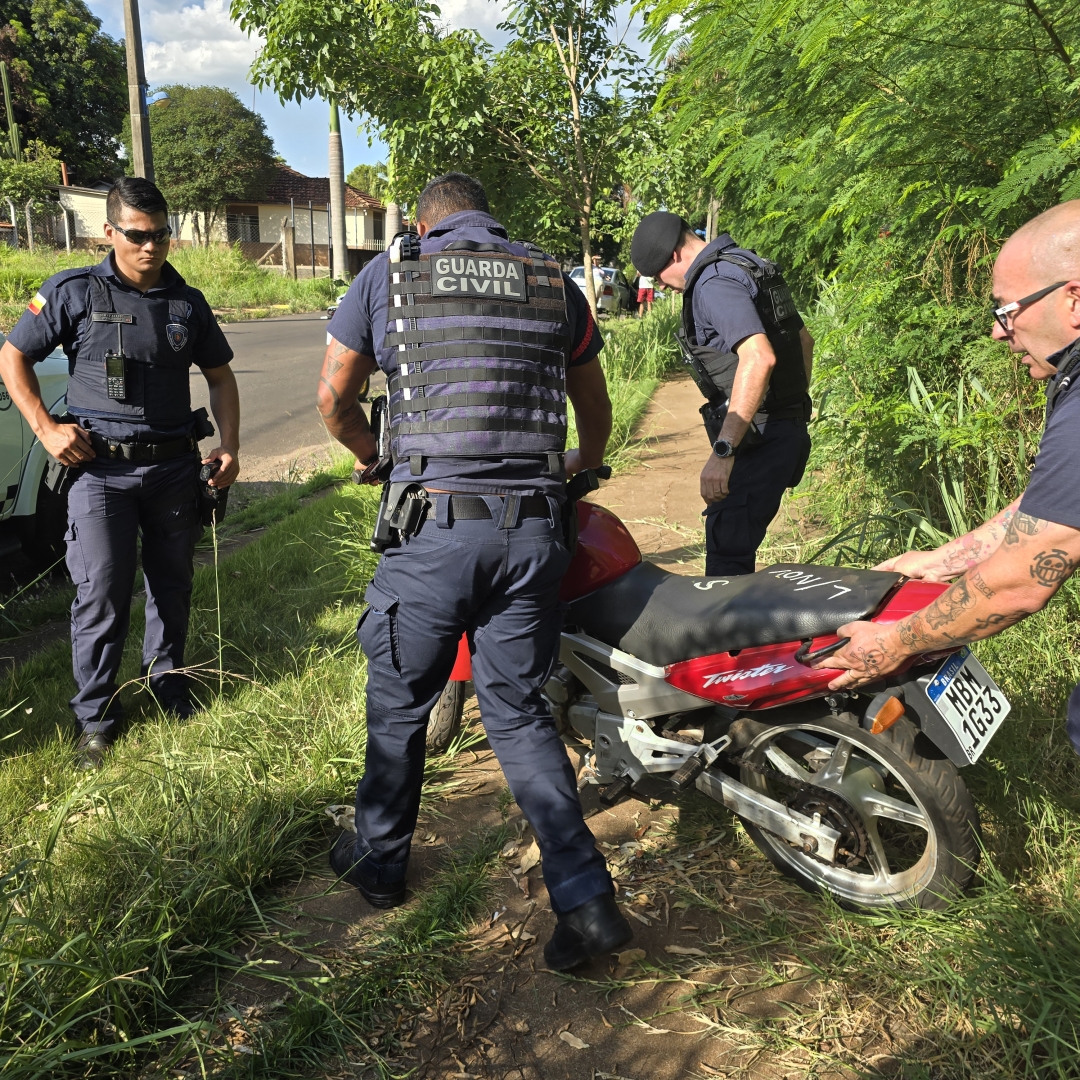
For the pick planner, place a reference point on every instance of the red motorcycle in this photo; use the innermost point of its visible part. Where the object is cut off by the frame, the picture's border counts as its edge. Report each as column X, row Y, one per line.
column 674, row 682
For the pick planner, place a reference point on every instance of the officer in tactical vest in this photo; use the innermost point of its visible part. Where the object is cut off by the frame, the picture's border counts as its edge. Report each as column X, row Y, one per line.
column 131, row 329
column 482, row 341
column 751, row 356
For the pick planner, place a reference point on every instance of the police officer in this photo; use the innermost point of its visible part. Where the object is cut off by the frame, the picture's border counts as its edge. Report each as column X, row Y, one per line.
column 751, row 355
column 131, row 329
column 1009, row 567
column 482, row 341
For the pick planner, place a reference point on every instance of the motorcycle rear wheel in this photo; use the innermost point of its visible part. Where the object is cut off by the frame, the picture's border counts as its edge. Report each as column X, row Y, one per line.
column 444, row 721
column 909, row 824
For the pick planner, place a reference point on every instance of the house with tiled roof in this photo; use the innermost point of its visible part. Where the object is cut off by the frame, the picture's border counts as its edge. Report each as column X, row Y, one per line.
column 291, row 200
column 304, row 203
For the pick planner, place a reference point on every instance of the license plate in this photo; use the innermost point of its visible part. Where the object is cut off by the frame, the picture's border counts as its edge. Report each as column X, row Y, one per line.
column 970, row 702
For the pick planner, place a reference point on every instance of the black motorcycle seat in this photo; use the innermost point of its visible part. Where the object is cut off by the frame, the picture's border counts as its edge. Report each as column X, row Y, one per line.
column 662, row 618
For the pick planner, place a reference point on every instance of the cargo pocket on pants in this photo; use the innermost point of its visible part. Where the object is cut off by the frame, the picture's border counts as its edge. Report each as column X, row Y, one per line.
column 76, row 561
column 377, row 630
column 729, row 526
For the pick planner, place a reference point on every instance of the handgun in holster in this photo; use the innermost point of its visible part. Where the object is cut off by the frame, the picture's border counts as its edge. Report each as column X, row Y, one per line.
column 58, row 476
column 401, row 510
column 202, row 429
column 714, row 411
column 383, row 465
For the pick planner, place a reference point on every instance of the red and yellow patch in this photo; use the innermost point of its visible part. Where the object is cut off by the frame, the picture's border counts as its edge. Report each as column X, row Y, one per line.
column 37, row 304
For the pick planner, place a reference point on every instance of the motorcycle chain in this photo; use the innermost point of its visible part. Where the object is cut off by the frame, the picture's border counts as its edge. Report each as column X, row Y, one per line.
column 800, row 787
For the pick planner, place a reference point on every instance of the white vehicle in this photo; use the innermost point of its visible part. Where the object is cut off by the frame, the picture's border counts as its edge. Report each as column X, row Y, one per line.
column 31, row 516
column 613, row 294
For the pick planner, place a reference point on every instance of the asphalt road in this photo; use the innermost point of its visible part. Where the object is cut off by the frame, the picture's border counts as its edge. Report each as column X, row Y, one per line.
column 277, row 365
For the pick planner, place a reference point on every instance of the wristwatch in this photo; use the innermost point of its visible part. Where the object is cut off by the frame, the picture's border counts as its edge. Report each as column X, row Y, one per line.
column 723, row 448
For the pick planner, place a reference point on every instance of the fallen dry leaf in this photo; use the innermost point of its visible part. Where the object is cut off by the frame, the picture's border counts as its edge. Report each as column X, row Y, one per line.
column 684, row 950
column 530, row 858
column 573, row 1040
column 631, row 956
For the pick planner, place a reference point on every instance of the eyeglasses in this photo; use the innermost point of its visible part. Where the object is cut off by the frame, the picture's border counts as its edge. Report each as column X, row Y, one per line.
column 139, row 236
column 1004, row 314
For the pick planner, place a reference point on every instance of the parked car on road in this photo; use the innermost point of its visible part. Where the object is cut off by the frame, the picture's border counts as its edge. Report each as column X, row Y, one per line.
column 613, row 295
column 31, row 516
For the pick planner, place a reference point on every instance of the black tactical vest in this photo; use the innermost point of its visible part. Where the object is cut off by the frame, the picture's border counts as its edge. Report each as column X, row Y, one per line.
column 156, row 342
column 1068, row 373
column 787, row 393
column 477, row 345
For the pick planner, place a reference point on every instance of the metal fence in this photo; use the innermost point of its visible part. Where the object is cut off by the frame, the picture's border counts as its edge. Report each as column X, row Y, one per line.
column 30, row 230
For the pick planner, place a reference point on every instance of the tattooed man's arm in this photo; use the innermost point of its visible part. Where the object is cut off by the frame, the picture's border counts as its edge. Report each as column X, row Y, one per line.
column 957, row 556
column 1028, row 566
column 343, row 373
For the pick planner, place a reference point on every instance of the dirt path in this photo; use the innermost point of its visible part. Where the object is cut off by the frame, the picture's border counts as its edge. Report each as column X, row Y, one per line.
column 716, row 981
column 659, row 500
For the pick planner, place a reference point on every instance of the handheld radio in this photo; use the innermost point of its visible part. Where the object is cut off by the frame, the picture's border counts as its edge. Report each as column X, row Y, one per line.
column 115, row 361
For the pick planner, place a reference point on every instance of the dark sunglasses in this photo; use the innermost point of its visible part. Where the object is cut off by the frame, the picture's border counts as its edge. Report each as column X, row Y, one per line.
column 1004, row 313
column 139, row 236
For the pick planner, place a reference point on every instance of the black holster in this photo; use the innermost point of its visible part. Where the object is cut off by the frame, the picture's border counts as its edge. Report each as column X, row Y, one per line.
column 58, row 476
column 202, row 429
column 402, row 509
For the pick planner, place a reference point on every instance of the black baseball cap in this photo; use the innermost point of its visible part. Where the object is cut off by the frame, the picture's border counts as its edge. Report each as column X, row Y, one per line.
column 655, row 240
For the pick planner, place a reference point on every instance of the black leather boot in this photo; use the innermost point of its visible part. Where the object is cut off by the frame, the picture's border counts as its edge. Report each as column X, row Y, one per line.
column 344, row 863
column 90, row 751
column 598, row 926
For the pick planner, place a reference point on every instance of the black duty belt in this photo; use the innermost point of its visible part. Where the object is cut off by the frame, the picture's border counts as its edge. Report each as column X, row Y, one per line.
column 141, row 452
column 473, row 507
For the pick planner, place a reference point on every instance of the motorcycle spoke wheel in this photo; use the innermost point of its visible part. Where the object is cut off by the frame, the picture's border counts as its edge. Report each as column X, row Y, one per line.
column 908, row 826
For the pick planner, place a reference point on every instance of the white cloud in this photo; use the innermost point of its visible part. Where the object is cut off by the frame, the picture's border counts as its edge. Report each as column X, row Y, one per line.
column 197, row 44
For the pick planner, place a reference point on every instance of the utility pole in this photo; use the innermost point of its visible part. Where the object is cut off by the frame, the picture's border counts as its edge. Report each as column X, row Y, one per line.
column 339, row 248
column 142, row 154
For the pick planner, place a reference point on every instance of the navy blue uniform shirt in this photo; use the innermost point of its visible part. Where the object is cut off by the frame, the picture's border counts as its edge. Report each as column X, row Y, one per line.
column 1053, row 492
column 724, row 312
column 360, row 324
column 59, row 313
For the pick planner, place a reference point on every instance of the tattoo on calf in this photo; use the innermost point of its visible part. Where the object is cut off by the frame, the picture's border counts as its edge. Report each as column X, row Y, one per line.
column 1051, row 568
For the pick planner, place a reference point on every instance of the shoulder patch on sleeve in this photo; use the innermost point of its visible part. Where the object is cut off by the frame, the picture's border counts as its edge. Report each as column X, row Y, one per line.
column 35, row 306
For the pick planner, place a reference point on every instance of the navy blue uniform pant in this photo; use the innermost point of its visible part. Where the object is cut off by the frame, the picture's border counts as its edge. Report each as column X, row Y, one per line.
column 735, row 526
column 502, row 586
column 109, row 505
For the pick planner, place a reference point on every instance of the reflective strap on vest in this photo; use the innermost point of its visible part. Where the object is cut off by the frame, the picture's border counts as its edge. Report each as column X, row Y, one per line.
column 474, row 333
column 480, row 423
column 528, row 353
column 416, row 379
column 488, row 311
column 457, row 401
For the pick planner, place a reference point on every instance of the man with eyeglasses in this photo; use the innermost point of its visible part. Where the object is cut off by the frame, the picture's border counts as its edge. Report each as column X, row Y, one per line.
column 131, row 328
column 1009, row 567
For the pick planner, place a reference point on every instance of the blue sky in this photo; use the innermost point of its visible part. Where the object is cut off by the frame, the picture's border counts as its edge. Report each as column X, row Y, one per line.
column 196, row 43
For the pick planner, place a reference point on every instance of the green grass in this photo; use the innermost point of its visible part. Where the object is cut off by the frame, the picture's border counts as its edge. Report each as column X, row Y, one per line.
column 233, row 285
column 637, row 354
column 123, row 893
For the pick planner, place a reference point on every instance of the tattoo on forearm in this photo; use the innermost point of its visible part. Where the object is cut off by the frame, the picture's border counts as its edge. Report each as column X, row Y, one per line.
column 976, row 579
column 337, row 400
column 1051, row 568
column 949, row 605
column 1023, row 525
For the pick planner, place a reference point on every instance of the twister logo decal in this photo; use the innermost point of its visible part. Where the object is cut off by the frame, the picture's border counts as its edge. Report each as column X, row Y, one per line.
column 746, row 673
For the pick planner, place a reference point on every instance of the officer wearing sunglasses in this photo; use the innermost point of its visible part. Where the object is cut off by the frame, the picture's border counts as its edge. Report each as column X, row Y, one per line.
column 1009, row 567
column 131, row 328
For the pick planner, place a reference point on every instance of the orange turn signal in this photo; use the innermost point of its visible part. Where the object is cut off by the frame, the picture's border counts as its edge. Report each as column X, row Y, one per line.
column 887, row 715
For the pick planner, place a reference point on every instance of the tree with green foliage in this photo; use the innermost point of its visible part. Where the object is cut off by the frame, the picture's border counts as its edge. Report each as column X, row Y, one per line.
column 541, row 123
column 209, row 150
column 68, row 82
column 882, row 151
column 370, row 179
column 28, row 183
